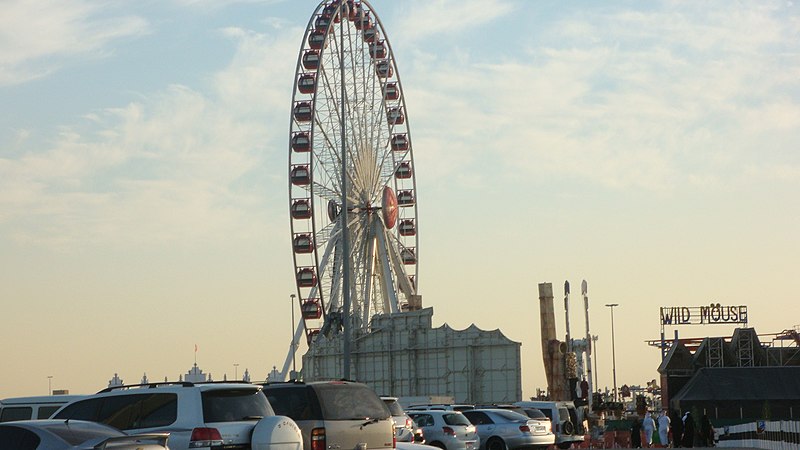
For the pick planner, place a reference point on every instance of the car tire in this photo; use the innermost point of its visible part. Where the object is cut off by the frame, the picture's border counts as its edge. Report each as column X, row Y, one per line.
column 495, row 443
column 568, row 428
column 564, row 445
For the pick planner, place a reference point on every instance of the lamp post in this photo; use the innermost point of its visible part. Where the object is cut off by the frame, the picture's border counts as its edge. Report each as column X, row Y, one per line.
column 594, row 348
column 235, row 371
column 294, row 344
column 49, row 385
column 613, row 350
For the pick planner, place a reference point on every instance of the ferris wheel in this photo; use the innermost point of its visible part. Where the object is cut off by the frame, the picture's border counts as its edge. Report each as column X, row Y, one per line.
column 349, row 135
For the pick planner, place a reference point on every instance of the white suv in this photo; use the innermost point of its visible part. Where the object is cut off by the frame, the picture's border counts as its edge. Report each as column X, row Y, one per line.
column 233, row 416
column 567, row 423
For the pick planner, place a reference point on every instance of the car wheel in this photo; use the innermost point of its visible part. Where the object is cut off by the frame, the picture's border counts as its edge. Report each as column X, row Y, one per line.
column 568, row 427
column 564, row 445
column 495, row 444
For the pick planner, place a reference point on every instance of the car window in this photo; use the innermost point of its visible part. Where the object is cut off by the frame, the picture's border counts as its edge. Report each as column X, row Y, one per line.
column 422, row 420
column 455, row 419
column 478, row 418
column 16, row 413
column 394, row 408
column 18, row 438
column 350, row 401
column 297, row 402
column 534, row 413
column 548, row 413
column 233, row 405
column 46, row 411
column 128, row 412
column 81, row 410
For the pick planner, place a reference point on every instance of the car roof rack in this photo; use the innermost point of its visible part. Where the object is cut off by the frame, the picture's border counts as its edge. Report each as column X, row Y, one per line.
column 148, row 385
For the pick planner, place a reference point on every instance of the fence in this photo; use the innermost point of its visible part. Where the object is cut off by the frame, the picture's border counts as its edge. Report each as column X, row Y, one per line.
column 772, row 435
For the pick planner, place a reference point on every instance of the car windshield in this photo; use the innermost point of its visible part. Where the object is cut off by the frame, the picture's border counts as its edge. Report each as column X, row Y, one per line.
column 534, row 413
column 233, row 405
column 512, row 416
column 394, row 407
column 350, row 401
column 455, row 419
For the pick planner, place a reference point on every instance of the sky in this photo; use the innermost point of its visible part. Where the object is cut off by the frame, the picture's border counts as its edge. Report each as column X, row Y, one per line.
column 649, row 148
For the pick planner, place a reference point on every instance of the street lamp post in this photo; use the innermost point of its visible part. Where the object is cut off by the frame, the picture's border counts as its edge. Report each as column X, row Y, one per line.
column 594, row 348
column 235, row 371
column 294, row 344
column 49, row 385
column 613, row 350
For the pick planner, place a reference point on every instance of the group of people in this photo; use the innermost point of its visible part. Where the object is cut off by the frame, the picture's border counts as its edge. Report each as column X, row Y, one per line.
column 683, row 430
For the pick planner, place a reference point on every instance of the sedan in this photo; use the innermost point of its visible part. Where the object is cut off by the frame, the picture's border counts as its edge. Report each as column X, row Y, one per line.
column 501, row 429
column 74, row 435
column 448, row 430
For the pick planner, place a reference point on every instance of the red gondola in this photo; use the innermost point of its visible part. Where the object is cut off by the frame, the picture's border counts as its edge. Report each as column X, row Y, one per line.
column 301, row 142
column 302, row 243
column 377, row 50
column 311, row 309
column 384, row 68
column 322, row 22
column 391, row 92
column 407, row 228
column 395, row 116
column 316, row 39
column 362, row 22
column 405, row 198
column 300, row 175
column 399, row 142
column 306, row 277
column 306, row 83
column 408, row 256
column 311, row 60
column 303, row 111
column 312, row 334
column 403, row 171
column 370, row 34
column 301, row 209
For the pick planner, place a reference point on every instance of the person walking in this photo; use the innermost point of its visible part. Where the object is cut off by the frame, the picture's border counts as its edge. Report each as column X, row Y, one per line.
column 648, row 425
column 688, row 430
column 677, row 428
column 706, row 432
column 636, row 433
column 663, row 428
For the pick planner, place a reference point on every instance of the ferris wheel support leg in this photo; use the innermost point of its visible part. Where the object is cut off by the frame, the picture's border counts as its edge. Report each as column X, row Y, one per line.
column 390, row 296
column 298, row 333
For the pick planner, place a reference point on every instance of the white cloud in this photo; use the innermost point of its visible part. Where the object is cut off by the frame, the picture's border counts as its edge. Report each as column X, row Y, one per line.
column 179, row 165
column 36, row 37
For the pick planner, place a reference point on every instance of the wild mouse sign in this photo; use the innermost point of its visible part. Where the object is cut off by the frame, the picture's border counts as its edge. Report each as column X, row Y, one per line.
column 714, row 313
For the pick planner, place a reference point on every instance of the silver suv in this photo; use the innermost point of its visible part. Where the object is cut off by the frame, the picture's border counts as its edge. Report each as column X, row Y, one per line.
column 566, row 422
column 235, row 416
column 335, row 414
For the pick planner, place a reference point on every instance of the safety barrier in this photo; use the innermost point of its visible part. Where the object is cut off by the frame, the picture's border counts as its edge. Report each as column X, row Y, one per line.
column 772, row 435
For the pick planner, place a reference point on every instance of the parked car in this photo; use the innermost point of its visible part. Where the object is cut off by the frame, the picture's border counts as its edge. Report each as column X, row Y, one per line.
column 28, row 408
column 566, row 422
column 335, row 414
column 197, row 415
column 503, row 429
column 446, row 429
column 74, row 435
column 404, row 429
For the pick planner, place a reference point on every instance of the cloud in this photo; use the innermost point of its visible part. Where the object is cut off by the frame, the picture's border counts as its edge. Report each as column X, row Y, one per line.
column 447, row 17
column 179, row 165
column 37, row 38
column 657, row 99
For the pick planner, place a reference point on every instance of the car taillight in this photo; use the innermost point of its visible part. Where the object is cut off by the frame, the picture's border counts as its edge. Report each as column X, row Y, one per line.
column 409, row 423
column 525, row 428
column 448, row 430
column 318, row 439
column 205, row 437
column 394, row 440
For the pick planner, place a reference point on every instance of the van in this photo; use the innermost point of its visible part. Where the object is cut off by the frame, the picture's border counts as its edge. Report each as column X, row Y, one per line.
column 33, row 408
column 567, row 421
column 334, row 414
